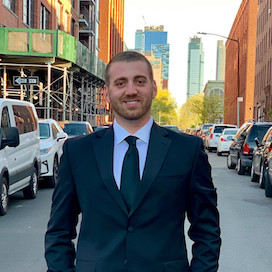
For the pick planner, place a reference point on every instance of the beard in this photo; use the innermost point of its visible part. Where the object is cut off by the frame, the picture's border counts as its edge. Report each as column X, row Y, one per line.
column 133, row 113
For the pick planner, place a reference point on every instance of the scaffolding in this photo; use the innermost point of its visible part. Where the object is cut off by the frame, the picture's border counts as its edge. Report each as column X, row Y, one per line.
column 70, row 84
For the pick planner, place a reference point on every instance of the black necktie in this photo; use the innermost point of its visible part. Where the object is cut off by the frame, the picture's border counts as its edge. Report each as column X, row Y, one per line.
column 130, row 172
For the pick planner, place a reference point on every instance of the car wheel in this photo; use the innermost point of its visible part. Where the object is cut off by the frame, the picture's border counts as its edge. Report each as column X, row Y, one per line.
column 4, row 197
column 229, row 163
column 219, row 153
column 209, row 149
column 267, row 185
column 31, row 190
column 51, row 181
column 240, row 168
column 262, row 176
column 253, row 176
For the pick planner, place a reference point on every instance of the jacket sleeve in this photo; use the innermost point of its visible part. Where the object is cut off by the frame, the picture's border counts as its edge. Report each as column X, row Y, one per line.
column 203, row 215
column 59, row 247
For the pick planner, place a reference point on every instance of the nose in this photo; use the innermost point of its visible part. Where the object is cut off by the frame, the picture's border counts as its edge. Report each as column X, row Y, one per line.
column 131, row 89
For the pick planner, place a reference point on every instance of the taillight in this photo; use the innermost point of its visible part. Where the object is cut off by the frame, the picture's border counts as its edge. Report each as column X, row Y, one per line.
column 246, row 149
column 211, row 135
column 223, row 139
column 269, row 149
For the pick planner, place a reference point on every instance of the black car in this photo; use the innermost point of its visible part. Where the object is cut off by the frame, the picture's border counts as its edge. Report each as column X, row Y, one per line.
column 259, row 160
column 241, row 149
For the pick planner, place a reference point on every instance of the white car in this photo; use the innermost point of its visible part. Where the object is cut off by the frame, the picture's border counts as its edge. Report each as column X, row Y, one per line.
column 215, row 132
column 225, row 140
column 52, row 139
column 20, row 161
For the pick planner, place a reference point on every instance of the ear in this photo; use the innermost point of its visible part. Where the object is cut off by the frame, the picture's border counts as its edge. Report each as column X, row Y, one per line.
column 106, row 92
column 155, row 89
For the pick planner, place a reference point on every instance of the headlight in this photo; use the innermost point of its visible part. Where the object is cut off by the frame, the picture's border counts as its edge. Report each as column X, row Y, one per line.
column 44, row 151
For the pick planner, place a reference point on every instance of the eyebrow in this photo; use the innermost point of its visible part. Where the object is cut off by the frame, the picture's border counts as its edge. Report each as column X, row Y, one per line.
column 125, row 78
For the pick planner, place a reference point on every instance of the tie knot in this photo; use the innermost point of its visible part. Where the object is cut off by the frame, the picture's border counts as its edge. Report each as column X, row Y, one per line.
column 131, row 140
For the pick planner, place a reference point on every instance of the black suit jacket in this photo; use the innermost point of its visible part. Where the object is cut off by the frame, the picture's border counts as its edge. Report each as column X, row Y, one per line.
column 148, row 238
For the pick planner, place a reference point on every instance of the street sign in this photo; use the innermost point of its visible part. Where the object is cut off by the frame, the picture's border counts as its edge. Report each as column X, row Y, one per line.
column 31, row 80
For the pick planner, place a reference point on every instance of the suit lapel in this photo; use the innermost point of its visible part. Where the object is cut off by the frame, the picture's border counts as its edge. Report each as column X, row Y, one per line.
column 103, row 148
column 157, row 150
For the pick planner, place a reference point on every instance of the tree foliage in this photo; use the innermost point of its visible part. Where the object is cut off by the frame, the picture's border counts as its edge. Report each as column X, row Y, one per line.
column 164, row 108
column 200, row 109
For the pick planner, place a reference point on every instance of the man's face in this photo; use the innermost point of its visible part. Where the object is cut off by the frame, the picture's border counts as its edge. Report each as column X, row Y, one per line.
column 130, row 91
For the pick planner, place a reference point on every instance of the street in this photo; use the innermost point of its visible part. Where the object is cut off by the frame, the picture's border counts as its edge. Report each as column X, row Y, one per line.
column 245, row 212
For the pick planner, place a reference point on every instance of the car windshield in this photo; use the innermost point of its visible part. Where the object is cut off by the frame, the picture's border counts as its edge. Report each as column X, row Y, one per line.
column 75, row 129
column 219, row 129
column 231, row 132
column 205, row 127
column 257, row 131
column 44, row 131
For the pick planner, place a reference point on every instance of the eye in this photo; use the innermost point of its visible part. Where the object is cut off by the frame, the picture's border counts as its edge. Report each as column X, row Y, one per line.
column 141, row 81
column 120, row 83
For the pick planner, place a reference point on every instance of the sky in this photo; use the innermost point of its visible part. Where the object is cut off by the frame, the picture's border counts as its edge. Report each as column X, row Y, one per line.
column 182, row 19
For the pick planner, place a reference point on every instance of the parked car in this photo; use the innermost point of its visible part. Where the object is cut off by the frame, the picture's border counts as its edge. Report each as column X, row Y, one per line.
column 215, row 132
column 172, row 127
column 204, row 128
column 241, row 149
column 52, row 139
column 267, row 176
column 76, row 128
column 20, row 161
column 225, row 140
column 259, row 160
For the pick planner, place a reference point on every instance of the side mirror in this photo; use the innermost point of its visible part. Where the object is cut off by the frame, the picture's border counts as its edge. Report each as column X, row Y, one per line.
column 12, row 138
column 61, row 135
column 257, row 141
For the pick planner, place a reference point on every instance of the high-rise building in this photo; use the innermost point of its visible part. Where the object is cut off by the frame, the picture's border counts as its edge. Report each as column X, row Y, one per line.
column 154, row 39
column 140, row 40
column 220, row 61
column 195, row 69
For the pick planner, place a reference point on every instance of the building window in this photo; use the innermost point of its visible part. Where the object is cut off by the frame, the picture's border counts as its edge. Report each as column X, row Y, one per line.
column 73, row 27
column 28, row 12
column 10, row 4
column 58, row 14
column 44, row 18
column 65, row 21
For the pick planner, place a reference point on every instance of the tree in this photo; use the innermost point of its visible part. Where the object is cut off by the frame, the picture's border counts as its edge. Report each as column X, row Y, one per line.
column 190, row 112
column 212, row 109
column 164, row 108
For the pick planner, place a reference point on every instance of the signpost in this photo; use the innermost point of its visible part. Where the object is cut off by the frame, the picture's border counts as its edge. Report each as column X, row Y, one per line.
column 30, row 80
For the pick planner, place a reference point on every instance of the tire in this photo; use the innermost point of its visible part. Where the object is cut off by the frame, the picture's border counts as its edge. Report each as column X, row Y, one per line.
column 4, row 196
column 262, row 176
column 51, row 181
column 219, row 153
column 267, row 185
column 209, row 149
column 230, row 165
column 253, row 176
column 30, row 192
column 240, row 168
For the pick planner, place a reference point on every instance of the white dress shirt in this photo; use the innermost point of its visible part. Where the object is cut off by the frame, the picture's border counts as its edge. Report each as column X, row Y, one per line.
column 121, row 146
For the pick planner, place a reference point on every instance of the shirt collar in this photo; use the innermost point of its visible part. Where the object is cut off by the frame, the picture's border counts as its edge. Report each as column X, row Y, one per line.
column 143, row 133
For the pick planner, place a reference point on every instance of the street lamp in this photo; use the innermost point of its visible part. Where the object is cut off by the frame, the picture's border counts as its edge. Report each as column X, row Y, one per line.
column 239, row 99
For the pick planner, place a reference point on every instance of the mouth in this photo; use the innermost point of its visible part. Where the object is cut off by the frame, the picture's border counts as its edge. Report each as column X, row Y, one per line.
column 134, row 102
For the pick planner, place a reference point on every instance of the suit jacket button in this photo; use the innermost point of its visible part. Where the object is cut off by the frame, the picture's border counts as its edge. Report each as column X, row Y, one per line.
column 130, row 229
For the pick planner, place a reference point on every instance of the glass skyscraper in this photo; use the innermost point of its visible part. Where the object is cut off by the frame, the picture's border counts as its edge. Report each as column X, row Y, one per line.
column 195, row 69
column 154, row 39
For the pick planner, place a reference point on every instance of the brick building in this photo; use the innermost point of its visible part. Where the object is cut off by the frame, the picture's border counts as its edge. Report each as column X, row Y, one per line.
column 244, row 32
column 111, row 29
column 58, row 42
column 262, row 94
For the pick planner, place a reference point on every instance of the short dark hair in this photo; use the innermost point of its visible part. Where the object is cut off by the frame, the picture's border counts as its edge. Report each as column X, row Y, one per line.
column 127, row 56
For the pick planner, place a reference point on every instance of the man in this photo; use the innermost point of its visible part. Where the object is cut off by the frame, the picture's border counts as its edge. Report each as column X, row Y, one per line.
column 133, row 217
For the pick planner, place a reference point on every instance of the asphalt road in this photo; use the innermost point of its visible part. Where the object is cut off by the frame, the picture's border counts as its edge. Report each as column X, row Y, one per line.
column 246, row 224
